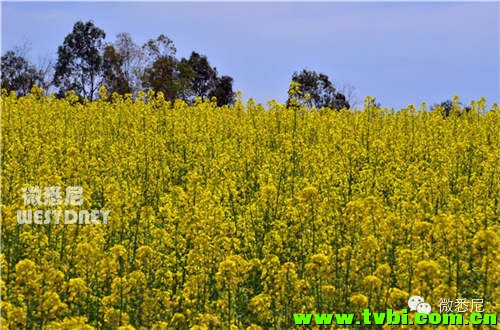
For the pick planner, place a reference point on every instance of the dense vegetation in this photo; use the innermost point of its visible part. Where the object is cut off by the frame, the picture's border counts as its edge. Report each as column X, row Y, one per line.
column 85, row 61
column 239, row 216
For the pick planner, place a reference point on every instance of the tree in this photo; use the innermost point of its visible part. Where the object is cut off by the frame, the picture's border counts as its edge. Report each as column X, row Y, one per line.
column 114, row 78
column 18, row 74
column 223, row 91
column 349, row 91
column 448, row 105
column 320, row 89
column 206, row 76
column 178, row 79
column 45, row 69
column 164, row 73
column 169, row 76
column 79, row 65
column 158, row 48
column 132, row 58
column 206, row 83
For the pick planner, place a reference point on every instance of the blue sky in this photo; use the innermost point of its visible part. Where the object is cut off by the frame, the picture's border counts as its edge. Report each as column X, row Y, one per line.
column 399, row 52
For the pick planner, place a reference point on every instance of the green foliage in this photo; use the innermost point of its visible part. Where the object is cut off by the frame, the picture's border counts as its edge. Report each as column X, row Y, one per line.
column 79, row 64
column 114, row 78
column 317, row 91
column 18, row 74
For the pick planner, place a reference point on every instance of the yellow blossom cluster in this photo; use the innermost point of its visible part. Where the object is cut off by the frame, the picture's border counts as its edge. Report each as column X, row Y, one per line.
column 236, row 217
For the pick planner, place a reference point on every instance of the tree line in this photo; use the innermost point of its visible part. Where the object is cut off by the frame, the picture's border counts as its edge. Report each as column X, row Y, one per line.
column 85, row 62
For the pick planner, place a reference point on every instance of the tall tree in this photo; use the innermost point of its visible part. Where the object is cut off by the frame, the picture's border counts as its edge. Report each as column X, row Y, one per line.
column 133, row 60
column 114, row 78
column 164, row 73
column 185, row 78
column 206, row 83
column 18, row 74
column 206, row 77
column 45, row 69
column 79, row 65
column 169, row 76
column 161, row 47
column 320, row 89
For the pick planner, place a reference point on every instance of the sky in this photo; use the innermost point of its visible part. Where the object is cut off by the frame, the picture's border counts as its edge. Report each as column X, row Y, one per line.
column 398, row 52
